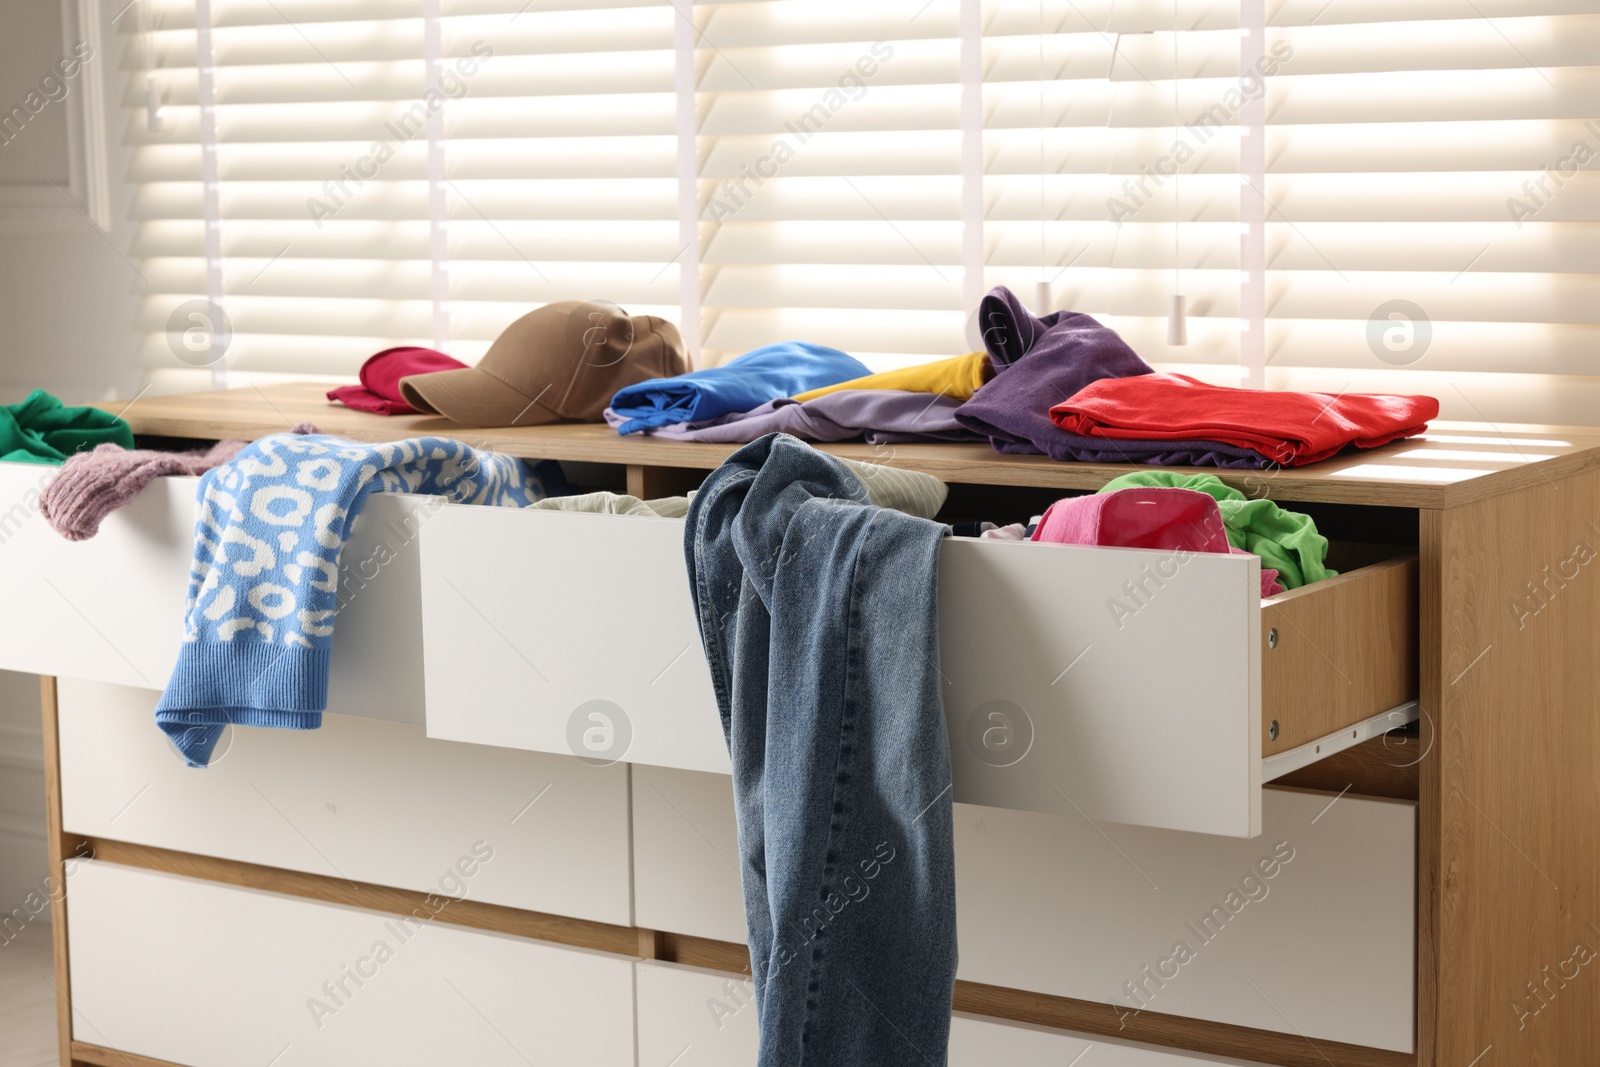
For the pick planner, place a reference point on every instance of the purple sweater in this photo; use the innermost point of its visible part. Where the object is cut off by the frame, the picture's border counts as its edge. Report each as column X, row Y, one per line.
column 1040, row 362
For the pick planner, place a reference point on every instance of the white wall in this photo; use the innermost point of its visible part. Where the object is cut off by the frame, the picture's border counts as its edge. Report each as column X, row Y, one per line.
column 67, row 295
column 66, row 308
column 31, row 41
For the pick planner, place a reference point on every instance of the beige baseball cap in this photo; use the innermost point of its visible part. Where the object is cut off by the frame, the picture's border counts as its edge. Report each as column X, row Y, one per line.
column 562, row 362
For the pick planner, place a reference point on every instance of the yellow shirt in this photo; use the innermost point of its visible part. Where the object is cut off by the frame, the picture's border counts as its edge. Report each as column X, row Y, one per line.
column 957, row 377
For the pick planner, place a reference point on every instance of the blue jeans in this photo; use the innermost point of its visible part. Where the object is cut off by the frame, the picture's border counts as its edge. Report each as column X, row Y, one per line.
column 818, row 613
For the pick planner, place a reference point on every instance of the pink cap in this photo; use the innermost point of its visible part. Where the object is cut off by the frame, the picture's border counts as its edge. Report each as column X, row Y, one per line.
column 1137, row 518
column 379, row 391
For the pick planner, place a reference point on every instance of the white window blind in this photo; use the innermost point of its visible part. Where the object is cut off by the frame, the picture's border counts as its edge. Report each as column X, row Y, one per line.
column 830, row 141
column 550, row 128
column 561, row 162
column 1442, row 155
column 855, row 173
column 1111, row 156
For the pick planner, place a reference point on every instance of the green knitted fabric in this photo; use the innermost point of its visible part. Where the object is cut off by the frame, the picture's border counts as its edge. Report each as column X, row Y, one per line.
column 42, row 429
column 1285, row 540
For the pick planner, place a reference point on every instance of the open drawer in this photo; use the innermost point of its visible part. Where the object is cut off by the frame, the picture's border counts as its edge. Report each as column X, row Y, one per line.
column 1124, row 685
column 110, row 609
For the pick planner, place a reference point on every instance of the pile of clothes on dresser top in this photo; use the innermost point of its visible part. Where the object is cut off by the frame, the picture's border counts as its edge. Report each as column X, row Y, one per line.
column 1061, row 385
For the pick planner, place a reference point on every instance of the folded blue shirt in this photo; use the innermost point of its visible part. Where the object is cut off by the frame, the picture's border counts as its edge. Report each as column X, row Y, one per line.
column 756, row 377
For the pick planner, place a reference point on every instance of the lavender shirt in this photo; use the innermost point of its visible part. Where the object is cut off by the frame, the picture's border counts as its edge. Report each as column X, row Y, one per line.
column 880, row 416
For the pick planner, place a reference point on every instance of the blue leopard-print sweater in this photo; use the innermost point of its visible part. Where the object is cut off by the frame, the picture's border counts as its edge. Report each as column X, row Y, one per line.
column 264, row 586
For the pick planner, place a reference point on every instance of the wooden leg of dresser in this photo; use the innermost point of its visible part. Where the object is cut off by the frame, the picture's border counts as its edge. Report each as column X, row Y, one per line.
column 1430, row 622
column 649, row 483
column 58, row 871
column 1509, row 819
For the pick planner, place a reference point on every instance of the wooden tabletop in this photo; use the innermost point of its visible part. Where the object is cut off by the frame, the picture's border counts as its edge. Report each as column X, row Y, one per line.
column 1454, row 463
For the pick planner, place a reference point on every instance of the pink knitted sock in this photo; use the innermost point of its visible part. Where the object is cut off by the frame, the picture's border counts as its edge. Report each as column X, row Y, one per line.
column 92, row 485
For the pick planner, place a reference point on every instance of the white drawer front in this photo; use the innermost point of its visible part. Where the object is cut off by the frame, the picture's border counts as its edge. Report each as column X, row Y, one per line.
column 1325, row 947
column 368, row 801
column 529, row 617
column 207, row 975
column 110, row 609
column 1150, row 718
column 1057, row 905
column 976, row 1041
column 690, row 1017
column 563, row 632
column 686, row 854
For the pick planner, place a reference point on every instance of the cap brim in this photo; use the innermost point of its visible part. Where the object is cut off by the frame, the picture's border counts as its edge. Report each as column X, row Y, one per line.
column 472, row 398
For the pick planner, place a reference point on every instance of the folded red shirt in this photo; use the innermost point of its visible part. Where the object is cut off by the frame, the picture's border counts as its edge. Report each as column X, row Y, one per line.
column 1291, row 429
